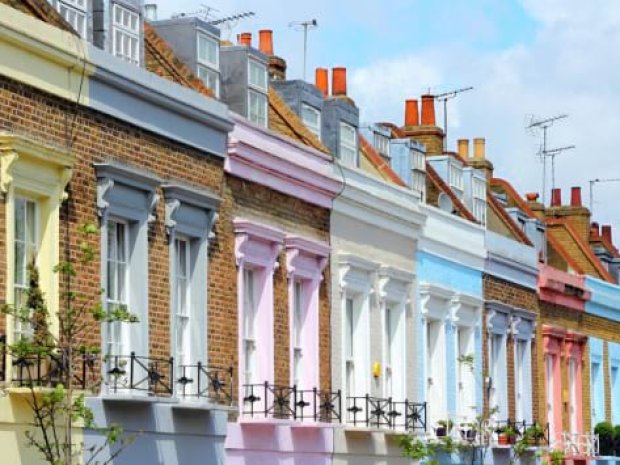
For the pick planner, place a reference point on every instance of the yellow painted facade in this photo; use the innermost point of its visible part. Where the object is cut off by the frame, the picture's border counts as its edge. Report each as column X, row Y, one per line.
column 59, row 57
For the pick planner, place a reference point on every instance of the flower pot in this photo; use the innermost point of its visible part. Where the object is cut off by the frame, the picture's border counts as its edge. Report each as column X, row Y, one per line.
column 502, row 439
column 440, row 432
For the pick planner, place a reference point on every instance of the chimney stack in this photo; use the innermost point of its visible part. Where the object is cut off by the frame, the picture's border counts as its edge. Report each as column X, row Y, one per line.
column 265, row 41
column 479, row 148
column 463, row 148
column 321, row 80
column 607, row 233
column 556, row 197
column 412, row 117
column 575, row 196
column 594, row 231
column 245, row 38
column 428, row 110
column 339, row 81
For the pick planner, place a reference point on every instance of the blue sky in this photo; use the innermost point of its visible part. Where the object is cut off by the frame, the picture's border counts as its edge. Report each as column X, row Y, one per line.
column 524, row 58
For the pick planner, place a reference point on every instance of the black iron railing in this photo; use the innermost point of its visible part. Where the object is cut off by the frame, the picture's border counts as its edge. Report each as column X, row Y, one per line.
column 150, row 375
column 287, row 402
column 199, row 381
column 49, row 370
column 535, row 433
column 377, row 412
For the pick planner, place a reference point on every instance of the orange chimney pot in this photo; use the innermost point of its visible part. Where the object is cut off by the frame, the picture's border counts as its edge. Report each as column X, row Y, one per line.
column 412, row 115
column 245, row 38
column 532, row 196
column 339, row 81
column 321, row 80
column 556, row 197
column 607, row 233
column 575, row 196
column 594, row 231
column 265, row 41
column 428, row 110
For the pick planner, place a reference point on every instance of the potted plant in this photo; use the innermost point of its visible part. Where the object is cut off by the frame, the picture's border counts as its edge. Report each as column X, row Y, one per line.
column 506, row 435
column 443, row 428
column 534, row 434
column 556, row 457
column 468, row 431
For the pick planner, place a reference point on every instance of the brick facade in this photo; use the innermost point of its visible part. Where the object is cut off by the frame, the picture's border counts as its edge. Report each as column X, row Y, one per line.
column 496, row 289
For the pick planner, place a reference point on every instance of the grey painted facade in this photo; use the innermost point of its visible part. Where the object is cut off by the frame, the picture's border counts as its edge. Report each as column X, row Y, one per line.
column 166, row 433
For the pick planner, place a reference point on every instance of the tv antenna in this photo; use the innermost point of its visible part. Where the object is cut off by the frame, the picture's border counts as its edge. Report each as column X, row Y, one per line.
column 444, row 97
column 206, row 13
column 305, row 26
column 596, row 181
column 232, row 18
column 544, row 152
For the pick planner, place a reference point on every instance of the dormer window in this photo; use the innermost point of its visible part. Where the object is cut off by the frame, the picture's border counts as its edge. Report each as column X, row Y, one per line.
column 455, row 178
column 382, row 144
column 208, row 62
column 257, row 98
column 312, row 119
column 348, row 144
column 75, row 13
column 126, row 34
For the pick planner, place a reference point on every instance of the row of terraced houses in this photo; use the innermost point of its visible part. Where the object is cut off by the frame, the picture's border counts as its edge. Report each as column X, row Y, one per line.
column 308, row 287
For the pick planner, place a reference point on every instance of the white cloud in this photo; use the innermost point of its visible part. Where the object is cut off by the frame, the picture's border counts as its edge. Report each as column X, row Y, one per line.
column 571, row 66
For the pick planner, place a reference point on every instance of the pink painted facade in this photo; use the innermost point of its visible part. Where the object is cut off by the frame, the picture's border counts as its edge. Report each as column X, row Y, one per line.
column 276, row 436
column 561, row 288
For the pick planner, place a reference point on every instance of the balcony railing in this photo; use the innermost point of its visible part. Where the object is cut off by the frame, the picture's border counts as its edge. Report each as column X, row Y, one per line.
column 199, row 381
column 287, row 402
column 148, row 375
column 377, row 412
column 49, row 370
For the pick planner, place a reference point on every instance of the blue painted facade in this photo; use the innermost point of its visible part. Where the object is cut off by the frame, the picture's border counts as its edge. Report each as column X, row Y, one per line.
column 605, row 303
column 461, row 280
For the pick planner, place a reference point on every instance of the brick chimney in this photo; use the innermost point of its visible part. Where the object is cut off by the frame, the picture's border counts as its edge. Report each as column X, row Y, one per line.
column 575, row 213
column 321, row 80
column 424, row 129
column 479, row 161
column 277, row 65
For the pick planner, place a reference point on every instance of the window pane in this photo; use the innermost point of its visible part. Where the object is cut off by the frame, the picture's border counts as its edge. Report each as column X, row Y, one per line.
column 258, row 75
column 258, row 108
column 20, row 264
column 20, row 219
column 207, row 50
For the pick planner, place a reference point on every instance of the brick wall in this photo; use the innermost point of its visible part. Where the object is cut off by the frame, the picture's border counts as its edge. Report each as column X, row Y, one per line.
column 96, row 138
column 517, row 296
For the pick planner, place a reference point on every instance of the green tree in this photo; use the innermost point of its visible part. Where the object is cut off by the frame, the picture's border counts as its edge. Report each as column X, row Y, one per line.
column 47, row 364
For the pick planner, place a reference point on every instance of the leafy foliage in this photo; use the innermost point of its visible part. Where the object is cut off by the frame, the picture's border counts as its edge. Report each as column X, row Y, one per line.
column 57, row 406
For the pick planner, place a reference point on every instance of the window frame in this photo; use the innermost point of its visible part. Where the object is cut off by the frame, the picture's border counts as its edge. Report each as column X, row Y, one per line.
column 254, row 115
column 314, row 128
column 350, row 146
column 381, row 143
column 126, row 32
column 115, row 343
column 183, row 313
column 72, row 6
column 210, row 68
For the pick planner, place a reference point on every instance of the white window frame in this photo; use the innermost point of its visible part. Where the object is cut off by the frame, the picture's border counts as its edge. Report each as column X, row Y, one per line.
column 116, row 342
column 549, row 362
column 521, row 353
column 30, row 243
column 298, row 332
column 250, row 310
column 455, row 178
column 465, row 342
column 258, row 104
column 132, row 34
column 315, row 128
column 382, row 144
column 349, row 342
column 208, row 71
column 261, row 86
column 347, row 146
column 72, row 11
column 479, row 199
column 497, row 360
column 183, row 310
column 572, row 395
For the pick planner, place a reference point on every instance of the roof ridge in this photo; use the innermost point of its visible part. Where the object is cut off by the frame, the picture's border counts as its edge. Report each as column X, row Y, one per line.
column 168, row 59
column 510, row 223
column 379, row 163
column 585, row 248
column 294, row 122
column 441, row 184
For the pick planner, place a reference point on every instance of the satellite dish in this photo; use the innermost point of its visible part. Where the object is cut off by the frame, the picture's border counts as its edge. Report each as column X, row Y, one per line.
column 445, row 202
